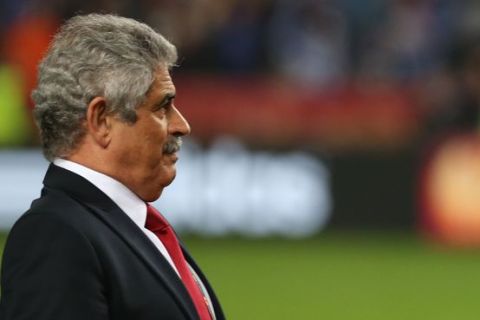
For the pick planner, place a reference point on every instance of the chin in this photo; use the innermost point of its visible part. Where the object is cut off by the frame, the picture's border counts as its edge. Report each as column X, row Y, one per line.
column 170, row 177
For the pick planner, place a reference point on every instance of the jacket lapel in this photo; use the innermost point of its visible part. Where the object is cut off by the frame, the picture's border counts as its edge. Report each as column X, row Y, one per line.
column 109, row 213
column 146, row 251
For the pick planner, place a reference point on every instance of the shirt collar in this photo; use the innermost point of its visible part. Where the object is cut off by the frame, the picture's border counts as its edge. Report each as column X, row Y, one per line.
column 123, row 197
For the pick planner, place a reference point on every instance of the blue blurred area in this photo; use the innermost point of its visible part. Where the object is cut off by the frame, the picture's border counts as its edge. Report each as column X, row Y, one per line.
column 398, row 38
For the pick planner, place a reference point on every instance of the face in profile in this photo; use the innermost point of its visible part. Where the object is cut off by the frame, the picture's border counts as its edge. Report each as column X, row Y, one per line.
column 146, row 151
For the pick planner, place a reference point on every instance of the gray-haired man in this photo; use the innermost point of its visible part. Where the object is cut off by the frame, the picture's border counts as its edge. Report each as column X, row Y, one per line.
column 91, row 247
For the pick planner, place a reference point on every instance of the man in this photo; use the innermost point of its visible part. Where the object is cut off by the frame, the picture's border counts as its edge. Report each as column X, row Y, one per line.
column 91, row 247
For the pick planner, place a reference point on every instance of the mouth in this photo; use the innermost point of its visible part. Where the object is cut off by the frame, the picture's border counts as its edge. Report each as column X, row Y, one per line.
column 171, row 148
column 173, row 157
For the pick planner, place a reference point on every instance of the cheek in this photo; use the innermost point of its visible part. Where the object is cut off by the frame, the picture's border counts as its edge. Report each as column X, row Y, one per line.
column 147, row 141
column 155, row 140
column 151, row 153
column 152, row 146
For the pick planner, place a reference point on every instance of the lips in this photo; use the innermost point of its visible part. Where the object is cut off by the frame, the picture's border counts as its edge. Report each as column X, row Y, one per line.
column 174, row 157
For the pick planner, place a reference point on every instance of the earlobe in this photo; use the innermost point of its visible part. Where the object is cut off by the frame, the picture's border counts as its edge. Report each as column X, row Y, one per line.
column 98, row 121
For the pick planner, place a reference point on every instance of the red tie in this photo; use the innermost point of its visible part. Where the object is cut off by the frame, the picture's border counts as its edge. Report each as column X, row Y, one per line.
column 162, row 229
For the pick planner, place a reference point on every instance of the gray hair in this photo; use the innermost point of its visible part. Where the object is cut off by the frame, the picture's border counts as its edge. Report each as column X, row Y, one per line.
column 95, row 55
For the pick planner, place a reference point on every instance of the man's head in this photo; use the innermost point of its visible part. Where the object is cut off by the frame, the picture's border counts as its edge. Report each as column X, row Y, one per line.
column 105, row 99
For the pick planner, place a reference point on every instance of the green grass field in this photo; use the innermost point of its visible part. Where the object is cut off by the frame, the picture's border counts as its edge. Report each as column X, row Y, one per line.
column 340, row 276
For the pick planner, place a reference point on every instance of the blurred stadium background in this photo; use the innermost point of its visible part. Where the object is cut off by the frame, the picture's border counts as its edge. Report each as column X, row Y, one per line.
column 334, row 167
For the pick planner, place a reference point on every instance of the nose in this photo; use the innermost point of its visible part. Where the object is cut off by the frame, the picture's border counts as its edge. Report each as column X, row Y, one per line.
column 178, row 125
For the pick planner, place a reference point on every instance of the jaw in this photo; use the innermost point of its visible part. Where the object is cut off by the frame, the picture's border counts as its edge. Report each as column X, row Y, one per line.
column 151, row 187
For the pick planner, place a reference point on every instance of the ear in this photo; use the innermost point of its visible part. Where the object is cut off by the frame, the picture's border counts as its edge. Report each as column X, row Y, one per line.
column 99, row 121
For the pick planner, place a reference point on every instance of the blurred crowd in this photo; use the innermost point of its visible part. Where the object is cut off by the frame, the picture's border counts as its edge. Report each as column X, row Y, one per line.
column 428, row 45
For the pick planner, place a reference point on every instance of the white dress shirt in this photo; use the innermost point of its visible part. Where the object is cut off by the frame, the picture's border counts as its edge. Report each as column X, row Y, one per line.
column 130, row 203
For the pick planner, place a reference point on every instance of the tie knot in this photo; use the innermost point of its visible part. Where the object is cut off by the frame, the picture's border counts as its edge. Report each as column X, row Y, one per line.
column 155, row 222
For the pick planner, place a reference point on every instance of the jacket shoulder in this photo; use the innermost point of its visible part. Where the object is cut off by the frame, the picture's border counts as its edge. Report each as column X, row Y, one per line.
column 56, row 207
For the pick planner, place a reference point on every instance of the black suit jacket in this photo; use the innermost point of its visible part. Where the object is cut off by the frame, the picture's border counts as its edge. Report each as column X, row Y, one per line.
column 76, row 255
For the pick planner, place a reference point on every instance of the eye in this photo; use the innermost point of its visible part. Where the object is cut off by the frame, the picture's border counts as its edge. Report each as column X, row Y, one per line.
column 160, row 112
column 162, row 107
